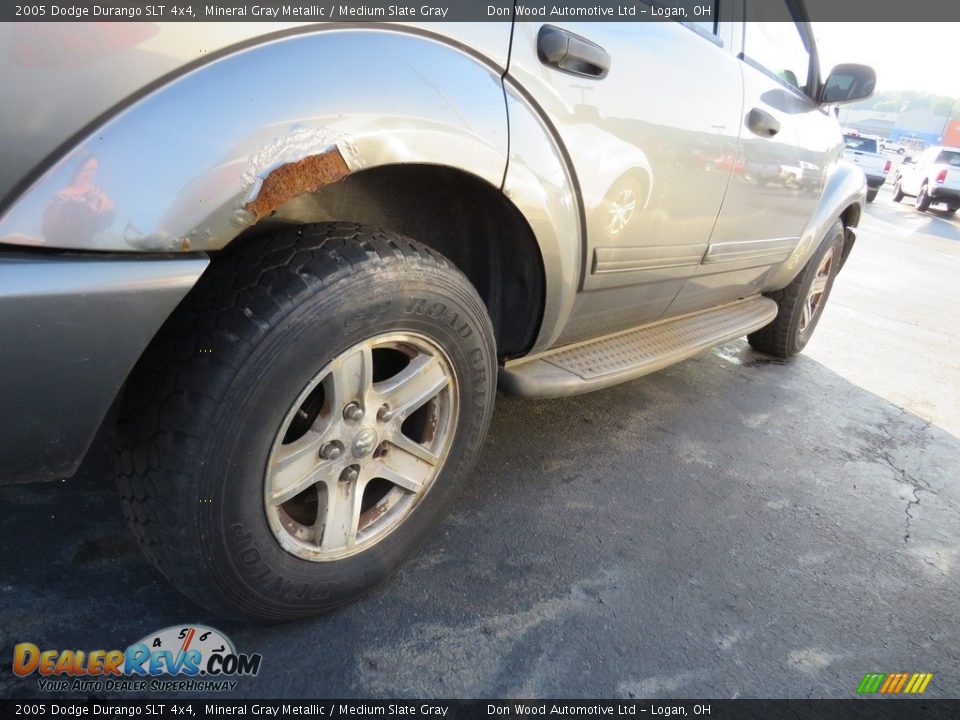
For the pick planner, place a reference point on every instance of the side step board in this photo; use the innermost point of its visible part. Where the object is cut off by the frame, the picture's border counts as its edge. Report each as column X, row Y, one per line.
column 614, row 359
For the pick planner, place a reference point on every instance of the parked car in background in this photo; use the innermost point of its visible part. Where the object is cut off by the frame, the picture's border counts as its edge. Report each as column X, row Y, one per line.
column 299, row 304
column 802, row 175
column 861, row 150
column 888, row 145
column 933, row 178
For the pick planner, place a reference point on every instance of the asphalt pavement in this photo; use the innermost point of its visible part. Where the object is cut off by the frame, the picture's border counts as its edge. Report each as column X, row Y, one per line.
column 729, row 527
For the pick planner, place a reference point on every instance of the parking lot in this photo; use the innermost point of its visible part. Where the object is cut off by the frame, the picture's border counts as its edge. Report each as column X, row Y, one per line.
column 729, row 527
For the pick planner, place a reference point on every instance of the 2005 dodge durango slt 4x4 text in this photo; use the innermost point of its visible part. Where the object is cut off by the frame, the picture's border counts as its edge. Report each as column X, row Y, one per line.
column 288, row 269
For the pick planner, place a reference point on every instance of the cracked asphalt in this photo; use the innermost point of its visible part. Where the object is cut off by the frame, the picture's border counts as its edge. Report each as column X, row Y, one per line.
column 729, row 527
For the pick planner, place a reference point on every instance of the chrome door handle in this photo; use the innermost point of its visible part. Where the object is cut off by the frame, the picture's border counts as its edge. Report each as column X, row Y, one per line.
column 571, row 53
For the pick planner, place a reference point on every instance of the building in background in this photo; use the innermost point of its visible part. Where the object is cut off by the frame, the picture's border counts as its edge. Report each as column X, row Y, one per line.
column 915, row 129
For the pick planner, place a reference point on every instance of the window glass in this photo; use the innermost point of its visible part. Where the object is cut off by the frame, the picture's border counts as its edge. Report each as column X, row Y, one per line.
column 772, row 39
column 861, row 143
column 949, row 157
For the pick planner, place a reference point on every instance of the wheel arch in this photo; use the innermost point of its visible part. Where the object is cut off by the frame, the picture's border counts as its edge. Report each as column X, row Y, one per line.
column 257, row 141
column 843, row 199
column 196, row 161
column 452, row 211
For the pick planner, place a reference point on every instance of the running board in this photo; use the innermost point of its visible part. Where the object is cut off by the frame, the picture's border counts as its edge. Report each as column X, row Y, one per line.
column 614, row 359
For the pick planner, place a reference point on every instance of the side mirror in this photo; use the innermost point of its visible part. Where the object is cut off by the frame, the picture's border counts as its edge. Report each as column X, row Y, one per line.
column 848, row 83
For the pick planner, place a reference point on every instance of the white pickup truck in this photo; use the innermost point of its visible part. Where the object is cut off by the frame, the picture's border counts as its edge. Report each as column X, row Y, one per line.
column 863, row 152
column 933, row 178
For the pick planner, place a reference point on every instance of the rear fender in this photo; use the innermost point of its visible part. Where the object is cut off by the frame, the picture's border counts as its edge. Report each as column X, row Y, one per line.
column 195, row 162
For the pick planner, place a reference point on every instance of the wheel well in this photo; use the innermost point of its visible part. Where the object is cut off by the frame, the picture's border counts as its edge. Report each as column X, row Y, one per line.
column 850, row 219
column 851, row 216
column 458, row 214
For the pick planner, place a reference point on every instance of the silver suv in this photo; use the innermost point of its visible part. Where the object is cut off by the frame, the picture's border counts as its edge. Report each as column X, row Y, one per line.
column 289, row 268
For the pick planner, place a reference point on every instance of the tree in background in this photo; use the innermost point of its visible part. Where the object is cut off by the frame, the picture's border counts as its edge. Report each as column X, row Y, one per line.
column 905, row 100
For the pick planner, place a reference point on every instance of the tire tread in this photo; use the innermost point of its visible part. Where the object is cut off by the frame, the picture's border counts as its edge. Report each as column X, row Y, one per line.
column 187, row 369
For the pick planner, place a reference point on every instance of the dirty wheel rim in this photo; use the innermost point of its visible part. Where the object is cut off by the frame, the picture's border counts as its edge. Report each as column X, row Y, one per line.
column 818, row 290
column 621, row 211
column 361, row 446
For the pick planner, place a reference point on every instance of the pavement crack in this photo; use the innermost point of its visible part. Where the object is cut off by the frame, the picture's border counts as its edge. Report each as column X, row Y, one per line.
column 900, row 474
column 906, row 510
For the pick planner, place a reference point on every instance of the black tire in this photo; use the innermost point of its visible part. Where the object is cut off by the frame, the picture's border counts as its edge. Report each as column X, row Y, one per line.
column 783, row 338
column 922, row 202
column 900, row 151
column 898, row 194
column 872, row 194
column 204, row 406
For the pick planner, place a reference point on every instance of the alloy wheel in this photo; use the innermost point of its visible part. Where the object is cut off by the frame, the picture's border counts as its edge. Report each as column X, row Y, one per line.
column 361, row 446
column 814, row 302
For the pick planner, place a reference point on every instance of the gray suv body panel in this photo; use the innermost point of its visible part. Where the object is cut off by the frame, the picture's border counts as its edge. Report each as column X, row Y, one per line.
column 71, row 329
column 178, row 141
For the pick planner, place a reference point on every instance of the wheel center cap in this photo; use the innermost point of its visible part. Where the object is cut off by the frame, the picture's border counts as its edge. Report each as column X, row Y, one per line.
column 364, row 442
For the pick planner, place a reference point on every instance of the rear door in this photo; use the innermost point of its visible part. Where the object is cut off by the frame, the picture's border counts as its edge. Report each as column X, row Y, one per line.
column 650, row 114
column 786, row 142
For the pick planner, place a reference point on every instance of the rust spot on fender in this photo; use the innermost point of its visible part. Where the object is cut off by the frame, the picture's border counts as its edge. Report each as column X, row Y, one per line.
column 295, row 178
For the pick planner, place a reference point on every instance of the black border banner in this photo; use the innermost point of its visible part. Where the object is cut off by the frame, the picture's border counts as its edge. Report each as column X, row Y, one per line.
column 867, row 709
column 460, row 10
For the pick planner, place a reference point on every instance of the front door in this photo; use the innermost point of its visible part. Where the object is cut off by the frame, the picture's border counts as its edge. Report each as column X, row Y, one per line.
column 786, row 143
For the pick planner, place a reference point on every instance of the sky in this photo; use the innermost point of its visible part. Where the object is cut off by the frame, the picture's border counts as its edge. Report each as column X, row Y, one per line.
column 906, row 56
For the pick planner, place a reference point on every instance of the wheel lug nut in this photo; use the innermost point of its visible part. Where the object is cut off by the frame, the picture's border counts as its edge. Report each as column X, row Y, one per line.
column 353, row 412
column 350, row 474
column 331, row 450
column 384, row 414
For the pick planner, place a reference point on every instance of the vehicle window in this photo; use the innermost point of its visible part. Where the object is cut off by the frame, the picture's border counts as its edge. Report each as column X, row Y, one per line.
column 773, row 40
column 949, row 157
column 860, row 143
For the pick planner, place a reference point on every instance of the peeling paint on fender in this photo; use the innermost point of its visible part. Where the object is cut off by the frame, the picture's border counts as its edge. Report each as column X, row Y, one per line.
column 302, row 160
column 295, row 178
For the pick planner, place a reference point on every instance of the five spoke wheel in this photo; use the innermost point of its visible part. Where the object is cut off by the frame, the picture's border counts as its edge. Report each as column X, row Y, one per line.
column 818, row 287
column 361, row 446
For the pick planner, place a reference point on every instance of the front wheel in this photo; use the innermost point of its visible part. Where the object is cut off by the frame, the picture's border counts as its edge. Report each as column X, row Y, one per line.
column 801, row 303
column 305, row 419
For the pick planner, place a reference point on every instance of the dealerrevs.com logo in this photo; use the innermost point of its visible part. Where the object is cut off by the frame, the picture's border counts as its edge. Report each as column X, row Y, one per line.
column 190, row 658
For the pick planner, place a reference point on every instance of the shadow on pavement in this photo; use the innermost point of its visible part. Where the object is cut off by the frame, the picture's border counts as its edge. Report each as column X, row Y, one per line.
column 729, row 526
